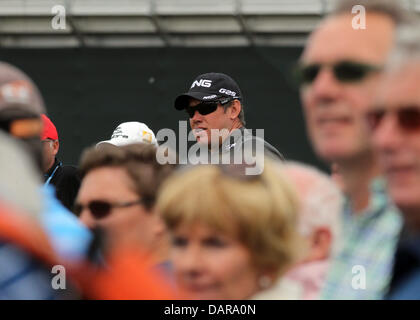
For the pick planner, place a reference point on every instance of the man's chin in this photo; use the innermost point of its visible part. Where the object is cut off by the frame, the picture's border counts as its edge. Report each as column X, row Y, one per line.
column 337, row 150
column 335, row 154
column 202, row 140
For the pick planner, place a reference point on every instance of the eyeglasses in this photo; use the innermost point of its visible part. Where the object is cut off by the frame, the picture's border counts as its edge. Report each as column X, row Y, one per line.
column 47, row 140
column 408, row 118
column 100, row 209
column 205, row 108
column 344, row 71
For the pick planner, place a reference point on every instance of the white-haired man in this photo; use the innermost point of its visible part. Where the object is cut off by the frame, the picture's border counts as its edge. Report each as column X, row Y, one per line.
column 395, row 124
column 340, row 70
column 319, row 224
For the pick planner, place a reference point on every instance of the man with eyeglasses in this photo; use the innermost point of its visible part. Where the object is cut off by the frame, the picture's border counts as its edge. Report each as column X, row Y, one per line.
column 395, row 124
column 339, row 72
column 64, row 177
column 214, row 104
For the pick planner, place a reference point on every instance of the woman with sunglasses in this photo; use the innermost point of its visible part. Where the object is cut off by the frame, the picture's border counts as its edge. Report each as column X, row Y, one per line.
column 232, row 235
column 117, row 195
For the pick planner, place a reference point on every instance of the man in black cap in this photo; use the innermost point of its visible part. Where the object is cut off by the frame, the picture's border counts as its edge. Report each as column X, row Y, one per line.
column 214, row 104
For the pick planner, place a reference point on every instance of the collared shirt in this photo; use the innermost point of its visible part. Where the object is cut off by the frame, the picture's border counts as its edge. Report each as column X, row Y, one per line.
column 310, row 276
column 362, row 267
column 66, row 182
column 52, row 171
column 242, row 138
column 238, row 148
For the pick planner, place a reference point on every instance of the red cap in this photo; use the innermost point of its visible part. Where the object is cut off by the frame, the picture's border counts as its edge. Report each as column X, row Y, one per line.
column 49, row 131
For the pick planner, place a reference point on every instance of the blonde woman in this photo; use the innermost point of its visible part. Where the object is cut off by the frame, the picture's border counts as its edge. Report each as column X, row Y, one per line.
column 232, row 235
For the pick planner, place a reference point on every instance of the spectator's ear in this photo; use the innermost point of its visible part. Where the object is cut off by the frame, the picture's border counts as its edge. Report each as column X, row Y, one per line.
column 56, row 146
column 235, row 109
column 320, row 244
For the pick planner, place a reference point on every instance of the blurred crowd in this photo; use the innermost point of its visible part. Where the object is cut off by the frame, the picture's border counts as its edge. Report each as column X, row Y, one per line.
column 125, row 225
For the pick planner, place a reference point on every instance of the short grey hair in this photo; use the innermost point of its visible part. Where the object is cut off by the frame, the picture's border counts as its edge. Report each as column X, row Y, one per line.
column 406, row 48
column 391, row 8
column 321, row 202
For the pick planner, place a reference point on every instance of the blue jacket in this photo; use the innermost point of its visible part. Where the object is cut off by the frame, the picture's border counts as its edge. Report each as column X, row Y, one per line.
column 69, row 237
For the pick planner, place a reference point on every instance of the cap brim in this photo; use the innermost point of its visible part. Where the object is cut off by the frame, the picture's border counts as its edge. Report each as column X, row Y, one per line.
column 106, row 142
column 182, row 101
column 120, row 143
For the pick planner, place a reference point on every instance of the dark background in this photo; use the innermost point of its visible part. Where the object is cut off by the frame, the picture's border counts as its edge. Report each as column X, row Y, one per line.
column 88, row 92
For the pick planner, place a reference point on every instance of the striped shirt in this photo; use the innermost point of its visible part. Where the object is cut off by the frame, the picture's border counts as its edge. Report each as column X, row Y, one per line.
column 362, row 265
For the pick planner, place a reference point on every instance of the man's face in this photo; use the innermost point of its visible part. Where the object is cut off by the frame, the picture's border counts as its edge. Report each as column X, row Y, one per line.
column 334, row 110
column 49, row 151
column 203, row 124
column 399, row 147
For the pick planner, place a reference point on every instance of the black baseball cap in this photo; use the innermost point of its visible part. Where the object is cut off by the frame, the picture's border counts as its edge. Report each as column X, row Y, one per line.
column 210, row 87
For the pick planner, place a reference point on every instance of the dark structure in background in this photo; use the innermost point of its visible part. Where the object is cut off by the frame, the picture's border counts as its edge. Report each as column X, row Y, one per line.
column 89, row 91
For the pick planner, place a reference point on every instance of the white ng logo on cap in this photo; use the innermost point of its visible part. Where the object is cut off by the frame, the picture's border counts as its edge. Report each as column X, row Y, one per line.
column 201, row 83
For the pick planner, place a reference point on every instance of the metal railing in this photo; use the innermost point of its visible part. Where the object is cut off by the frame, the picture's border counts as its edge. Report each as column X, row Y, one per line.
column 163, row 22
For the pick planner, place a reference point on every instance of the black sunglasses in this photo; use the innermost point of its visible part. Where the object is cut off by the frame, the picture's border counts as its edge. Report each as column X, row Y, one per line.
column 344, row 71
column 205, row 108
column 408, row 118
column 100, row 209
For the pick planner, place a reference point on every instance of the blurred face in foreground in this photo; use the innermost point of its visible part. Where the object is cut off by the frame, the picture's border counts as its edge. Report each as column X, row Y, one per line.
column 212, row 265
column 341, row 74
column 395, row 124
column 127, row 222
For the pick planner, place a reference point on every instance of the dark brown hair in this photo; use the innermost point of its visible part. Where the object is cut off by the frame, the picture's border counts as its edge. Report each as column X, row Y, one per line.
column 139, row 161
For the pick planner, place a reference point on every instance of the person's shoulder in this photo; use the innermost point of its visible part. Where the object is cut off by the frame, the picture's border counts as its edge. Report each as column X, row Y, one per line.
column 409, row 288
column 269, row 149
column 67, row 174
column 69, row 170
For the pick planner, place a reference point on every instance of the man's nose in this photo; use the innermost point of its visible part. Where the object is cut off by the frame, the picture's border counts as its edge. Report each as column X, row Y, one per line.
column 387, row 136
column 189, row 263
column 196, row 116
column 87, row 219
column 325, row 86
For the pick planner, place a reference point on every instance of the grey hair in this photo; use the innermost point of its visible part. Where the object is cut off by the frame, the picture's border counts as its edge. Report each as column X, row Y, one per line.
column 321, row 201
column 391, row 8
column 406, row 48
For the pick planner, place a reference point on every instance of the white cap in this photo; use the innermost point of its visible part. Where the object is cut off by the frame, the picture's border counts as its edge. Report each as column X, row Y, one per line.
column 131, row 132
